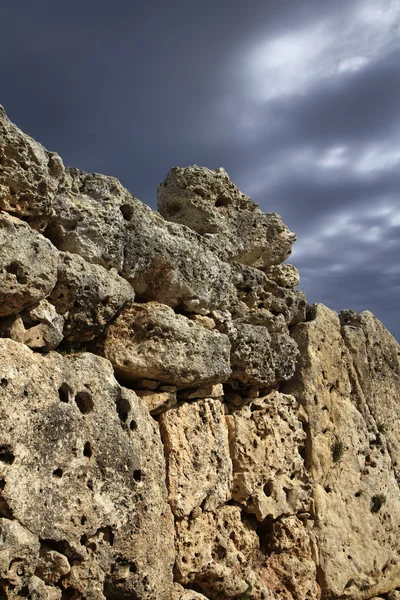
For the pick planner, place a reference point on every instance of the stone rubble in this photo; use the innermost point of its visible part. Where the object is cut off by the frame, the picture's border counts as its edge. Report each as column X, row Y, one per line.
column 175, row 422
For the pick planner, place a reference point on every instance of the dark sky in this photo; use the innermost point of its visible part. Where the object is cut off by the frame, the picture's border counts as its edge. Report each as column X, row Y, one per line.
column 299, row 100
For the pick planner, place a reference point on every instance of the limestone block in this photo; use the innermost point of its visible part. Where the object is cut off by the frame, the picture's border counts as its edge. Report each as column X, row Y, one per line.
column 255, row 290
column 91, row 458
column 261, row 358
column 210, row 204
column 214, row 552
column 285, row 275
column 103, row 223
column 267, row 441
column 171, row 264
column 88, row 296
column 199, row 468
column 40, row 327
column 290, row 567
column 29, row 175
column 28, row 266
column 356, row 507
column 151, row 341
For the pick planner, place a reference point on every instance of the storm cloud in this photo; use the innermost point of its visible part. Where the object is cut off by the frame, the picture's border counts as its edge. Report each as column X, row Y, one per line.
column 297, row 100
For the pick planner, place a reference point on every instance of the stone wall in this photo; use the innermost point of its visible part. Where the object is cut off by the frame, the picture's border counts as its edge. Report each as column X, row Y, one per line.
column 176, row 423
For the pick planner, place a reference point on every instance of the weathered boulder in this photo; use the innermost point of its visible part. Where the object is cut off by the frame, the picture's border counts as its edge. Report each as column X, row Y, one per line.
column 89, row 218
column 151, row 341
column 376, row 358
column 285, row 275
column 216, row 552
column 102, row 222
column 255, row 290
column 83, row 474
column 39, row 327
column 199, row 468
column 29, row 175
column 355, row 505
column 261, row 358
column 290, row 568
column 88, row 296
column 210, row 203
column 267, row 442
column 28, row 266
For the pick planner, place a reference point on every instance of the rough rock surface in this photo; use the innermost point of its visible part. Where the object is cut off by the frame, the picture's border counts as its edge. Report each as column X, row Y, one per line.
column 355, row 498
column 102, row 222
column 199, row 468
column 250, row 449
column 285, row 275
column 211, row 204
column 151, row 341
column 29, row 175
column 267, row 441
column 28, row 266
column 260, row 358
column 88, row 296
column 39, row 327
column 91, row 458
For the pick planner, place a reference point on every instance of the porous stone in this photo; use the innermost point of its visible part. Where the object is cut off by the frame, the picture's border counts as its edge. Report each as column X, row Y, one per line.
column 52, row 566
column 169, row 263
column 28, row 266
column 180, row 593
column 261, row 358
column 290, row 568
column 89, row 218
column 39, row 327
column 285, row 275
column 215, row 553
column 91, row 458
column 151, row 341
column 29, row 175
column 199, row 468
column 257, row 291
column 210, row 204
column 88, row 296
column 267, row 441
column 157, row 402
column 102, row 222
column 355, row 504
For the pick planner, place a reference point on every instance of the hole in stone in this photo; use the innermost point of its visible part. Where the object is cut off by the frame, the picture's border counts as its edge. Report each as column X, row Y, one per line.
column 137, row 475
column 127, row 211
column 123, row 408
column 83, row 519
column 107, row 534
column 16, row 269
column 6, row 454
column 87, row 450
column 2, row 484
column 221, row 201
column 58, row 473
column 84, row 402
column 268, row 488
column 90, row 485
column 133, row 425
column 5, row 509
column 3, row 381
column 64, row 392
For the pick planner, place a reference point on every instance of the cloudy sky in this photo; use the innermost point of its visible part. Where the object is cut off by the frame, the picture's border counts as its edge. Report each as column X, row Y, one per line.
column 298, row 99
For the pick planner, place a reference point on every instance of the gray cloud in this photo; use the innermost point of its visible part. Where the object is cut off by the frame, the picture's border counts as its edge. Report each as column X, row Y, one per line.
column 297, row 100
